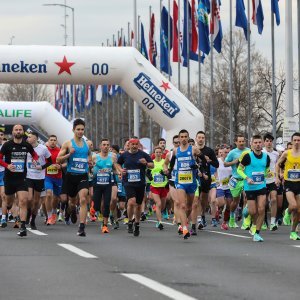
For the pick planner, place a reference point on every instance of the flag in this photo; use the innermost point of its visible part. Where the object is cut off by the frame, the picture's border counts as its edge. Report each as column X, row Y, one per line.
column 98, row 96
column 120, row 42
column 82, row 97
column 194, row 34
column 241, row 19
column 164, row 55
column 203, row 26
column 144, row 50
column 275, row 11
column 187, row 30
column 216, row 26
column 71, row 99
column 176, row 57
column 152, row 42
column 77, row 93
column 258, row 15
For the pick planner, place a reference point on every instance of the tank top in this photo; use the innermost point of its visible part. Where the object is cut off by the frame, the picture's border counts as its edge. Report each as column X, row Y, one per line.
column 103, row 169
column 224, row 174
column 292, row 167
column 159, row 180
column 78, row 161
column 185, row 175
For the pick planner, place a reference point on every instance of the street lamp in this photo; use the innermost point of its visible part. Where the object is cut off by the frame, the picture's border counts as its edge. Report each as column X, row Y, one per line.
column 11, row 39
column 73, row 21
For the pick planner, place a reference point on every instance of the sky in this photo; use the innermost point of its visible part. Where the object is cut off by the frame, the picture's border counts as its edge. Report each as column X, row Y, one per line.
column 29, row 22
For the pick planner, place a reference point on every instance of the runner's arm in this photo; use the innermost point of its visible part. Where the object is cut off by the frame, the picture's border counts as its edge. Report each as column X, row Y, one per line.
column 63, row 153
column 241, row 168
column 280, row 161
column 48, row 163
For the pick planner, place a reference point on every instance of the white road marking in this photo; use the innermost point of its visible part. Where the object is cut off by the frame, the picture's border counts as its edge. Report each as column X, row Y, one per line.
column 37, row 232
column 230, row 234
column 297, row 246
column 158, row 287
column 166, row 223
column 77, row 251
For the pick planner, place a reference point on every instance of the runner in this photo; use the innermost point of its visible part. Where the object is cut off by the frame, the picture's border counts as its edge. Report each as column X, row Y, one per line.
column 53, row 181
column 254, row 168
column 134, row 162
column 186, row 175
column 77, row 154
column 1, row 173
column 103, row 166
column 36, row 176
column 236, row 182
column 15, row 163
column 291, row 158
column 271, row 186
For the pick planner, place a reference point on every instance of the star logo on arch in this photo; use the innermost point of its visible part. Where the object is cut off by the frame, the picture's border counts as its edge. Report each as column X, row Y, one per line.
column 65, row 66
column 165, row 85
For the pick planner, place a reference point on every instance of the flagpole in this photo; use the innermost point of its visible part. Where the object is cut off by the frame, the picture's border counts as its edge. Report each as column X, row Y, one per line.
column 188, row 49
column 199, row 75
column 85, row 113
column 248, row 77
column 118, row 102
column 274, row 119
column 231, row 80
column 136, row 109
column 298, row 20
column 128, row 98
column 91, row 111
column 150, row 119
column 179, row 56
column 211, row 104
column 107, row 106
column 113, row 107
column 122, row 102
column 96, row 116
column 169, row 38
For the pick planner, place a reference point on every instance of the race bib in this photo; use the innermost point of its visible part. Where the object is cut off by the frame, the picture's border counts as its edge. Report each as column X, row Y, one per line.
column 103, row 178
column 158, row 178
column 19, row 164
column 258, row 177
column 134, row 175
column 185, row 177
column 294, row 174
column 51, row 170
column 79, row 165
column 232, row 182
column 213, row 179
column 225, row 181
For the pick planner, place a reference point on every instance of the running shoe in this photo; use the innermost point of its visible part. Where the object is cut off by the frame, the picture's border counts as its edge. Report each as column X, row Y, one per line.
column 3, row 223
column 143, row 217
column 287, row 218
column 111, row 219
column 136, row 231
column 22, row 232
column 247, row 223
column 264, row 226
column 245, row 226
column 294, row 236
column 279, row 221
column 232, row 223
column 159, row 226
column 224, row 226
column 204, row 223
column 193, row 231
column 165, row 214
column 273, row 227
column 17, row 224
column 81, row 231
column 179, row 230
column 60, row 217
column 200, row 224
column 104, row 229
column 252, row 229
column 186, row 234
column 74, row 216
column 33, row 226
column 257, row 238
column 10, row 218
column 130, row 227
column 245, row 212
column 117, row 225
column 214, row 223
column 125, row 221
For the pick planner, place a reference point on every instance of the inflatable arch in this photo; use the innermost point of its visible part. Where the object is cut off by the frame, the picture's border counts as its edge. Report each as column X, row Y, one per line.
column 123, row 66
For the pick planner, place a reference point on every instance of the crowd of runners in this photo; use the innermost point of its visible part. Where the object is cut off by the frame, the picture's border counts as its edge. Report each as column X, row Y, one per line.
column 192, row 185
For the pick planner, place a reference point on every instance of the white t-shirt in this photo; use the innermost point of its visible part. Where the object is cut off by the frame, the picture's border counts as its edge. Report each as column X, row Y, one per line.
column 43, row 153
column 224, row 174
column 274, row 156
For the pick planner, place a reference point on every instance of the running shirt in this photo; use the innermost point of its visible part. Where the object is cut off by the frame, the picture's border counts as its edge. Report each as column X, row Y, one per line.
column 78, row 161
column 135, row 171
column 292, row 167
column 274, row 156
column 102, row 170
column 163, row 156
column 1, row 168
column 224, row 174
column 43, row 153
column 159, row 180
column 52, row 171
column 185, row 174
column 233, row 155
column 255, row 168
column 16, row 154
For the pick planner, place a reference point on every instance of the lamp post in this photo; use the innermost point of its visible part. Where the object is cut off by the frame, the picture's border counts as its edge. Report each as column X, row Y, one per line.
column 73, row 19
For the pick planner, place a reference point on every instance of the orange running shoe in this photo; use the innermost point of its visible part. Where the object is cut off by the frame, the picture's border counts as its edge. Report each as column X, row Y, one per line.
column 53, row 219
column 105, row 229
column 48, row 222
column 186, row 233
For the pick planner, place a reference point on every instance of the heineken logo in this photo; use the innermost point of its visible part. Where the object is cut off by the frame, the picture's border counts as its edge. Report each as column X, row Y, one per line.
column 15, row 113
column 22, row 67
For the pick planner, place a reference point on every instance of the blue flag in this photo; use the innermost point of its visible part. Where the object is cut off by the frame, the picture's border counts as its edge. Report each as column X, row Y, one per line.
column 77, row 93
column 241, row 19
column 275, row 10
column 82, row 97
column 258, row 15
column 164, row 55
column 203, row 26
column 144, row 50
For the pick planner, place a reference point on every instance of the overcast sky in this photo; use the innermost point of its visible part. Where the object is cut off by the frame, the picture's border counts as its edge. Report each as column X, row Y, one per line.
column 28, row 22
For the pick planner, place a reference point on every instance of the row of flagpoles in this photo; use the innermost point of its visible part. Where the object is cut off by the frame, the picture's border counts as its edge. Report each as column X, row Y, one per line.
column 191, row 38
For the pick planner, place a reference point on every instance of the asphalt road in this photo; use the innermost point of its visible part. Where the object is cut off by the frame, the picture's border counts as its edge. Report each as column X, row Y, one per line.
column 155, row 265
